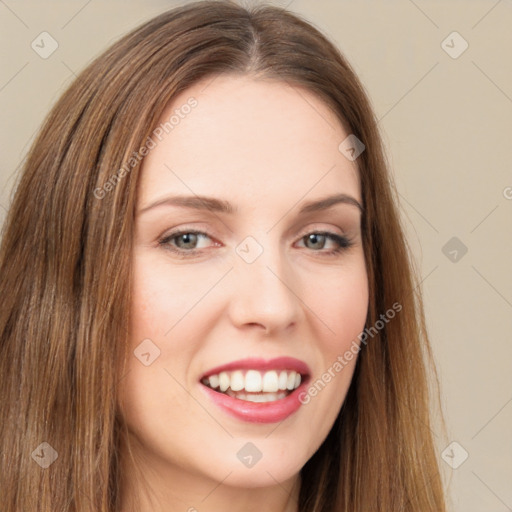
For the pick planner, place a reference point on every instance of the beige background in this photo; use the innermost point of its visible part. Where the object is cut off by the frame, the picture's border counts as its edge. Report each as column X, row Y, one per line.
column 447, row 125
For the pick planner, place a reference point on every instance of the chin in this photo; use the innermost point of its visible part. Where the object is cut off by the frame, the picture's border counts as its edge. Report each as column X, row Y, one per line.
column 264, row 476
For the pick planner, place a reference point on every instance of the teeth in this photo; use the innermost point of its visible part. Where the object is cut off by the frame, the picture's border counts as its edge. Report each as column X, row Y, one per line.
column 254, row 381
column 283, row 379
column 223, row 381
column 214, row 381
column 237, row 381
column 290, row 384
column 270, row 382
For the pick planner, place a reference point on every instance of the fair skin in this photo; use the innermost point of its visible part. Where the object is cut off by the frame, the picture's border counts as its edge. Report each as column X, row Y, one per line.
column 267, row 148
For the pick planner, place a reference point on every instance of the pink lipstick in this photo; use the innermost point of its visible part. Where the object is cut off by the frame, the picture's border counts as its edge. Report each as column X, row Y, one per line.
column 255, row 396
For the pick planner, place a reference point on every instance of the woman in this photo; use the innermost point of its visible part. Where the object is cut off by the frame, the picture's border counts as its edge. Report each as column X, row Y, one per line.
column 253, row 370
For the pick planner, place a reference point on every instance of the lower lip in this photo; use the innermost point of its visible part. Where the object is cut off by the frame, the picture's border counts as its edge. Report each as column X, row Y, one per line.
column 258, row 412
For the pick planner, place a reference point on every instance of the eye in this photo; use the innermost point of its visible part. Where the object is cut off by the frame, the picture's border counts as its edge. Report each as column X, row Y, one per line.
column 184, row 243
column 320, row 237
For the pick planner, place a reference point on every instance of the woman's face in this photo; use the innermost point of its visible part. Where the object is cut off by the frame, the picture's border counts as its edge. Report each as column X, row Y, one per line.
column 247, row 274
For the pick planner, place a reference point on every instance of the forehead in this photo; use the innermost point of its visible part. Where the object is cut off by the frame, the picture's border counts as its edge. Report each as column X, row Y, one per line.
column 253, row 139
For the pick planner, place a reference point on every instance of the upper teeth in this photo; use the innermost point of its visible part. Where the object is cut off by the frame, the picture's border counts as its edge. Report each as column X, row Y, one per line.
column 254, row 380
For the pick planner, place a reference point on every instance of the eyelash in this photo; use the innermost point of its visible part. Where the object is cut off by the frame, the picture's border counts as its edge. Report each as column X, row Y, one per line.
column 343, row 242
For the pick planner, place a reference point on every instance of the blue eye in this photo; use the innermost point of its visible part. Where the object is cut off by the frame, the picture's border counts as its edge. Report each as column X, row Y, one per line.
column 184, row 243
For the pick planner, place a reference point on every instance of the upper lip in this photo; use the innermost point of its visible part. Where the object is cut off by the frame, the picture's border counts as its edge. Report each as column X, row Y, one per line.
column 251, row 363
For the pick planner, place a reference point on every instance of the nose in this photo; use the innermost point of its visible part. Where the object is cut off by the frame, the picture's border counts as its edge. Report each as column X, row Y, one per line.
column 265, row 293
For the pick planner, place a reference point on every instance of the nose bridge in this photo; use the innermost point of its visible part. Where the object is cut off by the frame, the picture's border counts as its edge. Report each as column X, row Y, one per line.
column 264, row 293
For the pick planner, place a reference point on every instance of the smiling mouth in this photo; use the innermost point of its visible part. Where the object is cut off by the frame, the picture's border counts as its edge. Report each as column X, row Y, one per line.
column 255, row 385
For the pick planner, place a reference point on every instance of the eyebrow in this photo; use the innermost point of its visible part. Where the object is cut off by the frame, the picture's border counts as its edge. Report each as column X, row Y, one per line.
column 221, row 206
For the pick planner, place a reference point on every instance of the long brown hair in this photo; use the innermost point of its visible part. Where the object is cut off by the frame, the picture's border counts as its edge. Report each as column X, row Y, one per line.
column 65, row 274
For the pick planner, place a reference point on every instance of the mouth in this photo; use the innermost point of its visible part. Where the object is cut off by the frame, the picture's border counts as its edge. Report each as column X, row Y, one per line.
column 259, row 381
column 254, row 385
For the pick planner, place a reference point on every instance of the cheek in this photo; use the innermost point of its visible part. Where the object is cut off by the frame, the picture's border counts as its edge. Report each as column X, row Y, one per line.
column 341, row 304
column 160, row 297
column 147, row 391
